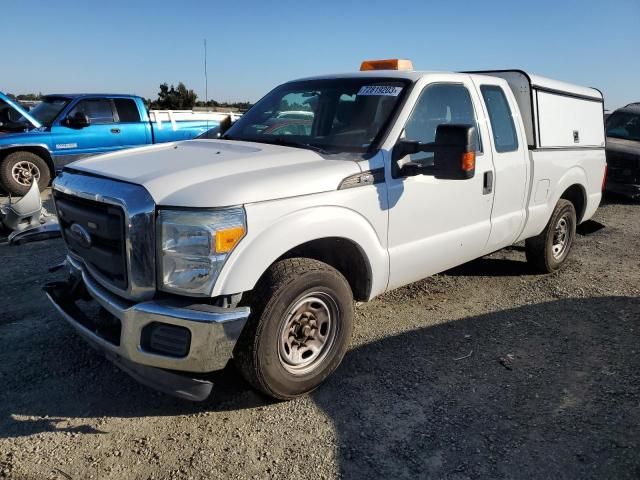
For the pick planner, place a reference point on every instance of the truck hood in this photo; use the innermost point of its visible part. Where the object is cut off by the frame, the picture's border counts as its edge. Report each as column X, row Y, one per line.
column 16, row 106
column 211, row 173
column 21, row 138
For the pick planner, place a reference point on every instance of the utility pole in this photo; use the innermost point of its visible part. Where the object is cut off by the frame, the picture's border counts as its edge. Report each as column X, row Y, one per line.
column 206, row 81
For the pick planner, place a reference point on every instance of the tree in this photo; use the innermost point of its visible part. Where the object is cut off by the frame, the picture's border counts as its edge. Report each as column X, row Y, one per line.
column 171, row 98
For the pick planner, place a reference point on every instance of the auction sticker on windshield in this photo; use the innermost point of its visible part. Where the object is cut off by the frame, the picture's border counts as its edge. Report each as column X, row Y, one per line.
column 385, row 90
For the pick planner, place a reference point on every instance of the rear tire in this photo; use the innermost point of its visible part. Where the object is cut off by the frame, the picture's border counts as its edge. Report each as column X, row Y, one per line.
column 299, row 329
column 18, row 170
column 549, row 250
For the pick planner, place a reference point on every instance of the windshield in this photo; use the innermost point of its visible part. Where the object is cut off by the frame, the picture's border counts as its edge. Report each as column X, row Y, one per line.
column 625, row 125
column 47, row 110
column 335, row 115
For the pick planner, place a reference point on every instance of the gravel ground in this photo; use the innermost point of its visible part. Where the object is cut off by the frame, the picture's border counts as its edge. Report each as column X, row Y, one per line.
column 486, row 371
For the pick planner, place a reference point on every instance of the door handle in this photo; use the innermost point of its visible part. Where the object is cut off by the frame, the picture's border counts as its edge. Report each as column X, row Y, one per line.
column 487, row 184
column 115, row 130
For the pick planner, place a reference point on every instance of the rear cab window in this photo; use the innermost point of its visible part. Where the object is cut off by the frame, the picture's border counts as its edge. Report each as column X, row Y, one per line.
column 127, row 110
column 503, row 129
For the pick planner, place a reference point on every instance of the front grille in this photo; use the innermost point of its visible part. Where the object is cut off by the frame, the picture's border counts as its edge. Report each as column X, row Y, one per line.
column 623, row 167
column 105, row 254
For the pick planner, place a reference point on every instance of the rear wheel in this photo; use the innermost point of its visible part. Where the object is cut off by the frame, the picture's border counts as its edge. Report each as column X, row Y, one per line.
column 19, row 169
column 549, row 250
column 299, row 329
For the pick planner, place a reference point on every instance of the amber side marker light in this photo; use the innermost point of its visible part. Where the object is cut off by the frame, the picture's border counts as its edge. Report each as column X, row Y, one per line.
column 228, row 238
column 468, row 161
column 389, row 64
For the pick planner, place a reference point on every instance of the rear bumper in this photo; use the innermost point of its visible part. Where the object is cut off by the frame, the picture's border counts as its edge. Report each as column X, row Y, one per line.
column 626, row 189
column 212, row 333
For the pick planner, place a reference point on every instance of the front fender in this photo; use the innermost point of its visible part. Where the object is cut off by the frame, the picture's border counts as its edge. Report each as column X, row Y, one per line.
column 41, row 149
column 269, row 238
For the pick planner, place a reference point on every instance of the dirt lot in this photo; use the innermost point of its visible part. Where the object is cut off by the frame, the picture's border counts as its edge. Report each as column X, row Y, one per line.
column 487, row 371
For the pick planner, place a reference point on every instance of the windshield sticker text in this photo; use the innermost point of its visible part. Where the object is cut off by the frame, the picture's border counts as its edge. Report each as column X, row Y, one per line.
column 386, row 91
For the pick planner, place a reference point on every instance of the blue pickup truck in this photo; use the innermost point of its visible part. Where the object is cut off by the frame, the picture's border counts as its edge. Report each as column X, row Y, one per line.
column 65, row 128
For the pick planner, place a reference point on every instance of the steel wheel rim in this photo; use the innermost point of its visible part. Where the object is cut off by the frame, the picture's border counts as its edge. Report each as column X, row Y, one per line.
column 307, row 333
column 25, row 172
column 562, row 236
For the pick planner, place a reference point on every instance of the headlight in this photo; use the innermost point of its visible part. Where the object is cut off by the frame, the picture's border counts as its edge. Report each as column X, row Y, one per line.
column 193, row 246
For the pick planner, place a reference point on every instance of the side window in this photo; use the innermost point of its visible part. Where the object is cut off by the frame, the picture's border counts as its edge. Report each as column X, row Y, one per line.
column 127, row 110
column 99, row 110
column 504, row 131
column 440, row 103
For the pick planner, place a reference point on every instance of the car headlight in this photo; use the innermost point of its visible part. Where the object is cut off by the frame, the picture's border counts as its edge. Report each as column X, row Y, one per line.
column 193, row 246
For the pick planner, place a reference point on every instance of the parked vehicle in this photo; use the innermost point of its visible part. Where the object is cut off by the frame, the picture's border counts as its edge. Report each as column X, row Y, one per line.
column 254, row 247
column 623, row 151
column 65, row 128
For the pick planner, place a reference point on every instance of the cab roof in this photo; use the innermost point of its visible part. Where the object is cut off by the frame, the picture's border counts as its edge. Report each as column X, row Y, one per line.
column 414, row 75
column 92, row 95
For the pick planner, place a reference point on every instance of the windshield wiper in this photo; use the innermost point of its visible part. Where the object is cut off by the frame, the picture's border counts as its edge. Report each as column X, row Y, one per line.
column 287, row 143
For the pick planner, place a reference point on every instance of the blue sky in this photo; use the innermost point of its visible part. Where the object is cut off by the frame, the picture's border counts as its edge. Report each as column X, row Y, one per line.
column 133, row 46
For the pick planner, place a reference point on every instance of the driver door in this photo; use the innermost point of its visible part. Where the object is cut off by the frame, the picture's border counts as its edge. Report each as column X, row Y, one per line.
column 101, row 136
column 436, row 224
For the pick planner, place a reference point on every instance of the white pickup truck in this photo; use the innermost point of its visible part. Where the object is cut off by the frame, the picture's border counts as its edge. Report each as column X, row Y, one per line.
column 253, row 247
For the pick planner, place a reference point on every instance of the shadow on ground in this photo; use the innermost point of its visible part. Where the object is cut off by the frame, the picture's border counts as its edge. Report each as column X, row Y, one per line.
column 542, row 391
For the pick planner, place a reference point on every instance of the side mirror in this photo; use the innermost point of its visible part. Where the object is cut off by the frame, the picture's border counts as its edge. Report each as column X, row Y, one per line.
column 454, row 153
column 78, row 120
column 225, row 125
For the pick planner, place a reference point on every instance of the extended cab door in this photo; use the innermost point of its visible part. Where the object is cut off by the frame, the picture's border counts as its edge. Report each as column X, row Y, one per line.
column 436, row 224
column 510, row 160
column 133, row 127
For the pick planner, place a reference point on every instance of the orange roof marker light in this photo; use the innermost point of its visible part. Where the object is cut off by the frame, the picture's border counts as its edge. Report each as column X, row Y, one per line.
column 390, row 64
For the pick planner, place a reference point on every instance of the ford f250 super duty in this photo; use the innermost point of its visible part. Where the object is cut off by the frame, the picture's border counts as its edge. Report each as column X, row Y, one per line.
column 253, row 247
column 64, row 128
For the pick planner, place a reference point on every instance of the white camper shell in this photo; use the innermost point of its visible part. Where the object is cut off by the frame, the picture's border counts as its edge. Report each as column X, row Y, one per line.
column 556, row 114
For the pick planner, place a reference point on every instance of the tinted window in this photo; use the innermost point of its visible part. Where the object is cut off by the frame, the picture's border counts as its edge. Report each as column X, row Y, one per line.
column 127, row 110
column 624, row 125
column 504, row 130
column 98, row 110
column 438, row 104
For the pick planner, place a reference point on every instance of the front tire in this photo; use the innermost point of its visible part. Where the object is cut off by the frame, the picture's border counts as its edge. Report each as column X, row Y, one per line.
column 549, row 250
column 299, row 329
column 19, row 169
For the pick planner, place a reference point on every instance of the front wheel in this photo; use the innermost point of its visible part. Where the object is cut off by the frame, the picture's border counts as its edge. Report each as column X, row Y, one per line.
column 299, row 329
column 549, row 250
column 19, row 169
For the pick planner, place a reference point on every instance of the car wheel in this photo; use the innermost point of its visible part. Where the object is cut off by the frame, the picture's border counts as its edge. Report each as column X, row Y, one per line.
column 299, row 329
column 19, row 169
column 549, row 250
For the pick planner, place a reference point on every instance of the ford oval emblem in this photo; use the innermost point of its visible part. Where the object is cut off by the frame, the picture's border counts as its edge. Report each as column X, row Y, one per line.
column 81, row 235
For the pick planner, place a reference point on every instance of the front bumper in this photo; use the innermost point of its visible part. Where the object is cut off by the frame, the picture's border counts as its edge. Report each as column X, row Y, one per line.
column 213, row 332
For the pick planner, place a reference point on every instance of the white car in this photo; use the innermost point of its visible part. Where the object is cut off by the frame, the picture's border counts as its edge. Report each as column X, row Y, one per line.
column 253, row 247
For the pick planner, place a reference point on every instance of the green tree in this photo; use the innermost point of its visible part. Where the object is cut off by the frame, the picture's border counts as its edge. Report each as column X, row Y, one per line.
column 172, row 98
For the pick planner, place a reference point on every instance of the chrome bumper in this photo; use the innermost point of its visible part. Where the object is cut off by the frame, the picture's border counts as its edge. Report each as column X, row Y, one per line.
column 213, row 333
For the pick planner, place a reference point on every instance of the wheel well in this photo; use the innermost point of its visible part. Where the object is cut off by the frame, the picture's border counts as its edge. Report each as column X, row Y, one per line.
column 343, row 255
column 40, row 151
column 576, row 195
